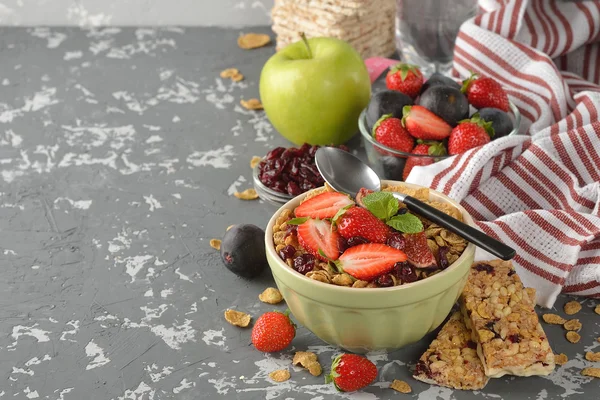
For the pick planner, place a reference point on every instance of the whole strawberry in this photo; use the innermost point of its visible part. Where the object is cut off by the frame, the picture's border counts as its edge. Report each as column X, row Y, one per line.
column 350, row 372
column 273, row 331
column 485, row 92
column 405, row 78
column 423, row 148
column 469, row 134
column 358, row 221
column 389, row 132
column 423, row 124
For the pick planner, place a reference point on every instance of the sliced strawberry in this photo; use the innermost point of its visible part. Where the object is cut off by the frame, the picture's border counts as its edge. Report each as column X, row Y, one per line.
column 361, row 195
column 423, row 124
column 418, row 252
column 315, row 235
column 358, row 221
column 368, row 261
column 325, row 205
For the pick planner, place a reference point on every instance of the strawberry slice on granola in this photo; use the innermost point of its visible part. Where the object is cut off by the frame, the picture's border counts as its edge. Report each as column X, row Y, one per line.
column 368, row 261
column 325, row 205
column 316, row 237
column 418, row 252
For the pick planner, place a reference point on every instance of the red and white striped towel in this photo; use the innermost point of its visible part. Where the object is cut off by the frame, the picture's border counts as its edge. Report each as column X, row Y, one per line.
column 538, row 192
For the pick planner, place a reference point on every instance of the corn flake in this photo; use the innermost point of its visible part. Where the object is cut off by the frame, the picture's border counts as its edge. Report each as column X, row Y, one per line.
column 229, row 72
column 255, row 161
column 573, row 337
column 572, row 325
column 281, row 375
column 270, row 296
column 304, row 358
column 237, row 77
column 248, row 194
column 572, row 307
column 560, row 359
column 237, row 318
column 593, row 372
column 342, row 280
column 591, row 356
column 251, row 104
column 253, row 40
column 553, row 319
column 400, row 386
column 597, row 309
column 215, row 244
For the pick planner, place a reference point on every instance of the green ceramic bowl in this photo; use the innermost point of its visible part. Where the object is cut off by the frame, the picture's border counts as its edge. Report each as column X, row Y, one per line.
column 363, row 320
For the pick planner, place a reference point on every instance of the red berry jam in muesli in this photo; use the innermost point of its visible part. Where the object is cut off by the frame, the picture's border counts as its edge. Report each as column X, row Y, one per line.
column 371, row 241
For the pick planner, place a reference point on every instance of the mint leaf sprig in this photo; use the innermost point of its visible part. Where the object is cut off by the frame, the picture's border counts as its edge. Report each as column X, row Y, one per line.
column 385, row 207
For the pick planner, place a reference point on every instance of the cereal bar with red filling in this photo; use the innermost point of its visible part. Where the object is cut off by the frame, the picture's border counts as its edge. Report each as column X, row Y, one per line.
column 501, row 316
column 451, row 359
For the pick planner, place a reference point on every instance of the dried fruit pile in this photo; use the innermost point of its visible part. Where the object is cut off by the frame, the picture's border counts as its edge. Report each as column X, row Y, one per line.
column 371, row 241
column 432, row 117
column 292, row 170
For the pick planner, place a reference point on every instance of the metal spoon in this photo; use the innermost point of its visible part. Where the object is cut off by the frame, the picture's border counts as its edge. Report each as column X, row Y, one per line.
column 348, row 174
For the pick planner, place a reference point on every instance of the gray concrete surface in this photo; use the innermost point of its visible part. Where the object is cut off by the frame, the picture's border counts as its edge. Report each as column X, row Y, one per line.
column 229, row 13
column 119, row 152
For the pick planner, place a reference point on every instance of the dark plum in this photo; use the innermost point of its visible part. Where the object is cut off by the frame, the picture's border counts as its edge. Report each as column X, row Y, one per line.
column 386, row 102
column 304, row 263
column 437, row 79
column 448, row 103
column 501, row 121
column 243, row 250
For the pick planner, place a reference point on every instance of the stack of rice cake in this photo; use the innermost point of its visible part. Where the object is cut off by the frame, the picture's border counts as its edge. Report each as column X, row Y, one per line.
column 368, row 25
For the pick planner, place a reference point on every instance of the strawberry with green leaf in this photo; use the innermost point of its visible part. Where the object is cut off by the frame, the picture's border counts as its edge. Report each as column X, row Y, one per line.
column 431, row 148
column 468, row 134
column 351, row 372
column 405, row 78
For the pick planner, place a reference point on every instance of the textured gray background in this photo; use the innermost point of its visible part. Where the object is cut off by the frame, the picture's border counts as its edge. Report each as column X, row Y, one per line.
column 119, row 151
column 135, row 12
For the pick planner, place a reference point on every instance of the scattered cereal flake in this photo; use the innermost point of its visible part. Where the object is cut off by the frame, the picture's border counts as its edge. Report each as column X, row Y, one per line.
column 314, row 368
column 251, row 104
column 281, row 375
column 553, row 319
column 271, row 296
column 560, row 359
column 593, row 372
column 237, row 318
column 597, row 309
column 573, row 337
column 253, row 40
column 400, row 386
column 591, row 356
column 248, row 194
column 572, row 325
column 304, row 358
column 215, row 244
column 229, row 72
column 229, row 227
column 254, row 161
column 572, row 307
column 237, row 77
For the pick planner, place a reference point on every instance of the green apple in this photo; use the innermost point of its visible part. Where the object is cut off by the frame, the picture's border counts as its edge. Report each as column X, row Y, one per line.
column 314, row 90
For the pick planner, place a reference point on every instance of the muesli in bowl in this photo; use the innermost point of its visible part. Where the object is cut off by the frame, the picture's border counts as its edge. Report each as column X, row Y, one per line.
column 372, row 241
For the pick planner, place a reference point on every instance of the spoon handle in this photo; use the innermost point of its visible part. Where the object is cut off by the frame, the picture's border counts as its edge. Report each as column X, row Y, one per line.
column 463, row 230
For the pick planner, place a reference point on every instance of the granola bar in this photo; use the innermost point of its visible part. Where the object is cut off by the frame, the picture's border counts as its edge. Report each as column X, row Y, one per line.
column 503, row 322
column 451, row 359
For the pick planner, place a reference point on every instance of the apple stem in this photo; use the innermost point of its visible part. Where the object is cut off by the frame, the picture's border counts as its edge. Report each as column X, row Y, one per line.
column 308, row 50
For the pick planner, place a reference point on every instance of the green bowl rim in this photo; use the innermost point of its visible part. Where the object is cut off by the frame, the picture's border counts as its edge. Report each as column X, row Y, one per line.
column 364, row 132
column 270, row 247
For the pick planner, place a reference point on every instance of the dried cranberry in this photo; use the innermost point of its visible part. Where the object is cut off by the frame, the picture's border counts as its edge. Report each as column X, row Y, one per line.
column 402, row 211
column 304, row 263
column 422, row 369
column 342, row 244
column 356, row 240
column 293, row 189
column 384, row 280
column 313, row 151
column 396, row 240
column 484, row 267
column 275, row 153
column 471, row 344
column 443, row 257
column 307, row 185
column 405, row 272
column 545, row 364
column 291, row 230
column 515, row 338
column 511, row 272
column 287, row 252
column 305, row 148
